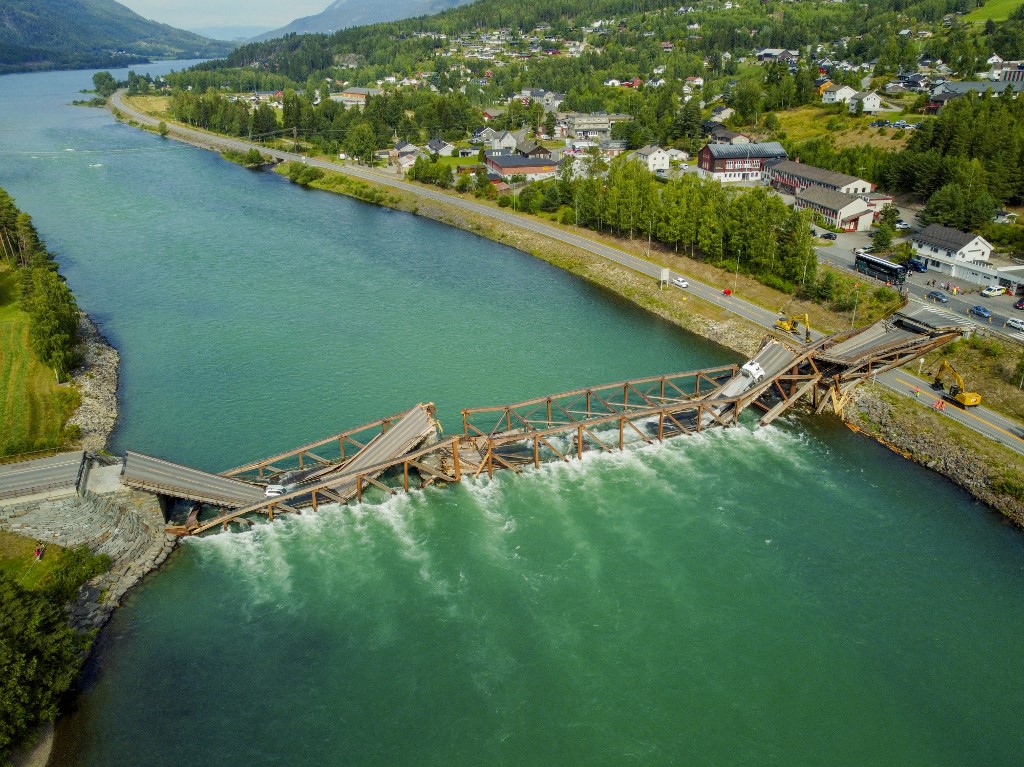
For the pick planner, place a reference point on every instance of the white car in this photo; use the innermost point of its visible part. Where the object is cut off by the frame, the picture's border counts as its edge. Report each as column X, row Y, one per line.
column 272, row 491
column 753, row 371
column 902, row 225
column 679, row 282
column 1014, row 323
column 993, row 290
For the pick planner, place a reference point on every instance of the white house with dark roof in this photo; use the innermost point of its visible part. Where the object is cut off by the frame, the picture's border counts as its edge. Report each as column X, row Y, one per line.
column 837, row 94
column 654, row 157
column 504, row 140
column 440, row 147
column 870, row 102
column 963, row 255
column 791, row 177
column 847, row 212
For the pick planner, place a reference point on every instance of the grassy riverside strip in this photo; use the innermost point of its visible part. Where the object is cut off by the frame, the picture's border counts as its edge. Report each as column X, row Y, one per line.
column 33, row 407
column 985, row 475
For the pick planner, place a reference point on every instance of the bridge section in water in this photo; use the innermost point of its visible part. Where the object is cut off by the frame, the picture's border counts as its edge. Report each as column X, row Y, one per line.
column 406, row 449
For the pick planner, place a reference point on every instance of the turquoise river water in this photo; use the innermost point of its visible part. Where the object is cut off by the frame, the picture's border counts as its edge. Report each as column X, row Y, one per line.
column 790, row 596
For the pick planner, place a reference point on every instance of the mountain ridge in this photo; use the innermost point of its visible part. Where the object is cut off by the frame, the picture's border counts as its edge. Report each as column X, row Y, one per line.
column 85, row 34
column 342, row 14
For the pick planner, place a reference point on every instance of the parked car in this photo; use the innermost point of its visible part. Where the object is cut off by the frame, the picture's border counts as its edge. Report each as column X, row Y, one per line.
column 1014, row 323
column 1019, row 304
column 902, row 225
column 679, row 282
column 938, row 295
column 980, row 311
column 828, row 235
column 993, row 290
column 917, row 266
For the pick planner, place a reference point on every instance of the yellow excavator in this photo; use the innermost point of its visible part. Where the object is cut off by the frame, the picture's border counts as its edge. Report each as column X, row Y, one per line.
column 957, row 389
column 792, row 324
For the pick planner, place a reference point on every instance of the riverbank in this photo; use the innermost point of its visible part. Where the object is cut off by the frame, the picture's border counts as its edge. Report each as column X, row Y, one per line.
column 96, row 379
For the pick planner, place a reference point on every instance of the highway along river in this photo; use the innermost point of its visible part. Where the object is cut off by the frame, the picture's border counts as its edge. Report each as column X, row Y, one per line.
column 791, row 596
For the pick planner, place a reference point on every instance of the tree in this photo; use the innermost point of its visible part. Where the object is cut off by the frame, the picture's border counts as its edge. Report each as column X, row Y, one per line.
column 39, row 659
column 104, row 83
column 361, row 142
column 549, row 124
column 883, row 236
column 747, row 98
column 890, row 215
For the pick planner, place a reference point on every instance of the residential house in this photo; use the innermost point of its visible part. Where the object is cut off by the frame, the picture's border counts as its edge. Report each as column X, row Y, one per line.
column 677, row 157
column 654, row 157
column 960, row 88
column 719, row 134
column 506, row 165
column 440, row 147
column 484, row 135
column 793, row 177
column 847, row 212
column 613, row 148
column 504, row 140
column 777, row 54
column 492, row 113
column 695, row 82
column 596, row 125
column 837, row 94
column 533, row 149
column 869, row 103
column 742, row 162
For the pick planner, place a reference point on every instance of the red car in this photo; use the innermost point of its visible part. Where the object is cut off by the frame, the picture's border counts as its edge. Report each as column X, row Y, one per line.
column 1019, row 304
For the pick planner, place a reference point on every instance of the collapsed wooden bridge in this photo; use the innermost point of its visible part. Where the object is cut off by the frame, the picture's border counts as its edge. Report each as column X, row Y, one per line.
column 408, row 450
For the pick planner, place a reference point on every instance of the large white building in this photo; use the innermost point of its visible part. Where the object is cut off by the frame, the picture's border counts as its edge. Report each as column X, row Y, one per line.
column 654, row 157
column 965, row 256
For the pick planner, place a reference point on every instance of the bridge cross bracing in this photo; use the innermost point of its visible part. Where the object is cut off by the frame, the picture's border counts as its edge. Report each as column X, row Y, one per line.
column 340, row 468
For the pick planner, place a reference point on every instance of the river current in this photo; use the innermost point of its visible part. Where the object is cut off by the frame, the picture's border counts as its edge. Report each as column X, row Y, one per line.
column 795, row 595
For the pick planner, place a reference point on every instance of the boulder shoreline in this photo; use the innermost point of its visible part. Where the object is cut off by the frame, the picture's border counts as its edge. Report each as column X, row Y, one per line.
column 97, row 380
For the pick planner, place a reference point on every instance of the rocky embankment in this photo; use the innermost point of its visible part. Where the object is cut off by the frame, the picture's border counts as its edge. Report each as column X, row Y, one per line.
column 96, row 379
column 127, row 526
column 989, row 473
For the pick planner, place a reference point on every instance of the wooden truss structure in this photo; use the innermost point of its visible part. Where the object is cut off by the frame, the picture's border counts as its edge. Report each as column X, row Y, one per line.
column 562, row 427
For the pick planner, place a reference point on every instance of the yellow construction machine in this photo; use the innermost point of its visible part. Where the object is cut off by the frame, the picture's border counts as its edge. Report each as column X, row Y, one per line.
column 957, row 390
column 792, row 324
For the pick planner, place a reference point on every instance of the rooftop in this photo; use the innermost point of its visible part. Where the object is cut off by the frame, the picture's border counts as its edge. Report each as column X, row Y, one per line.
column 827, row 198
column 813, row 173
column 944, row 237
column 768, row 149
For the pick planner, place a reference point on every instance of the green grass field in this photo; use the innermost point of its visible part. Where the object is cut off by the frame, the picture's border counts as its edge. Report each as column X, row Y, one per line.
column 997, row 10
column 18, row 561
column 33, row 408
